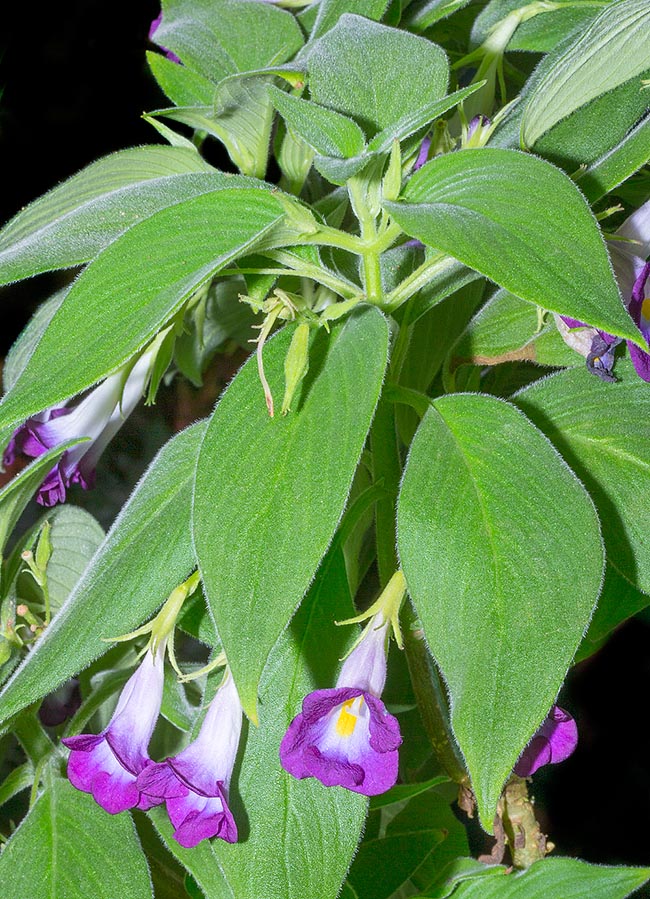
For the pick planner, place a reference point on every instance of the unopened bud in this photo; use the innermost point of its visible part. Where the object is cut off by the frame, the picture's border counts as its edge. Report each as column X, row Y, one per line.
column 296, row 364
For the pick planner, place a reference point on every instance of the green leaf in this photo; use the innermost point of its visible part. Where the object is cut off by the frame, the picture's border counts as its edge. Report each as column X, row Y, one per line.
column 601, row 430
column 20, row 352
column 499, row 542
column 182, row 85
column 225, row 319
column 406, row 847
column 73, row 222
column 613, row 50
column 68, row 846
column 556, row 878
column 15, row 495
column 282, row 819
column 421, row 14
column 75, row 537
column 507, row 329
column 18, row 779
column 145, row 555
column 244, row 116
column 539, row 34
column 217, row 38
column 328, row 132
column 430, row 339
column 419, row 118
column 593, row 130
column 140, row 280
column 373, row 73
column 404, row 792
column 617, row 602
column 610, row 170
column 490, row 209
column 268, row 498
column 330, row 11
column 458, row 870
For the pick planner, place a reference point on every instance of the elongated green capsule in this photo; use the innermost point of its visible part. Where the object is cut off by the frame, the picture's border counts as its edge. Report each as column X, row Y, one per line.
column 296, row 364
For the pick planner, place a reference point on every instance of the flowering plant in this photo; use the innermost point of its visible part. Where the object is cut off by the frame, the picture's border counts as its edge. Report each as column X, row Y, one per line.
column 412, row 237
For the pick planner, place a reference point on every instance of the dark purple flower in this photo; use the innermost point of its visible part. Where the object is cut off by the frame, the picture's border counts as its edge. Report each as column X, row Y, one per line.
column 107, row 764
column 554, row 742
column 344, row 736
column 98, row 416
column 194, row 784
column 423, row 154
column 153, row 28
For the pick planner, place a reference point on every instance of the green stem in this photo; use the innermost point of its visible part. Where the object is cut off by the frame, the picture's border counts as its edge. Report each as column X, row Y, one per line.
column 430, row 268
column 431, row 698
column 31, row 736
column 345, row 289
column 387, row 471
column 370, row 252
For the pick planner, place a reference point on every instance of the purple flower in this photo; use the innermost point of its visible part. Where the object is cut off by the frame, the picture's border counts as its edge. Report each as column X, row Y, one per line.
column 98, row 416
column 633, row 275
column 194, row 783
column 107, row 764
column 153, row 28
column 344, row 736
column 554, row 742
column 423, row 154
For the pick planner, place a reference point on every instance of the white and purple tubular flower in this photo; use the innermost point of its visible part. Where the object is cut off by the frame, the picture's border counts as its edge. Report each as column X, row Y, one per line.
column 98, row 416
column 553, row 742
column 628, row 255
column 107, row 765
column 194, row 784
column 344, row 736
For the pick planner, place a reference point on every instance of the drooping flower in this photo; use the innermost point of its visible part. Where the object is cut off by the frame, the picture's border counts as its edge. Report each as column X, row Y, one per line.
column 344, row 736
column 628, row 254
column 108, row 764
column 153, row 28
column 98, row 416
column 194, row 784
column 554, row 742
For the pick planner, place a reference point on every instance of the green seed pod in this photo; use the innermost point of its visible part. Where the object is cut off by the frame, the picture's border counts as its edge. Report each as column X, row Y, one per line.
column 296, row 364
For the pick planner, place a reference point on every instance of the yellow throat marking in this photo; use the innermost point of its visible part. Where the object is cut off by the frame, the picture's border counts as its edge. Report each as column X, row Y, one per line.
column 347, row 720
column 645, row 309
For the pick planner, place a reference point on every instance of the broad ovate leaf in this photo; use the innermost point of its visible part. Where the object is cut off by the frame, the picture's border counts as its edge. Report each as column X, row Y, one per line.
column 217, row 38
column 501, row 548
column 270, row 491
column 522, row 223
column 375, row 74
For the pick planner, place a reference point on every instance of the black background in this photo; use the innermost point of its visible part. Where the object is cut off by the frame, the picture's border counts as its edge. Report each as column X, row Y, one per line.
column 75, row 84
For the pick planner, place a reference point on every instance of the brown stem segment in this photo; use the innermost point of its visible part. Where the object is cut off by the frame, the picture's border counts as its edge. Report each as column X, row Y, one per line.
column 527, row 842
